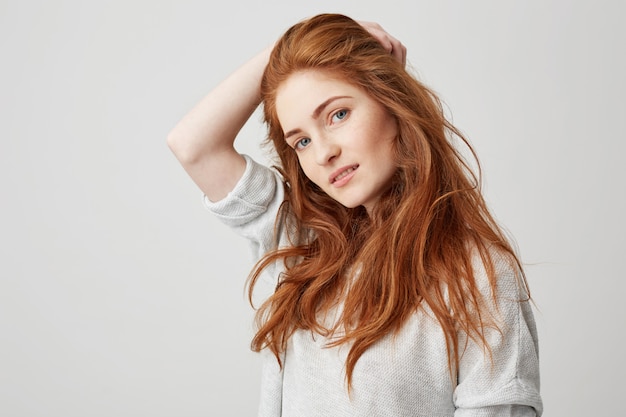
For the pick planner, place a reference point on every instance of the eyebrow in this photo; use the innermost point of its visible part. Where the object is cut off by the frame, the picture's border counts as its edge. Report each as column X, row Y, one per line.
column 315, row 114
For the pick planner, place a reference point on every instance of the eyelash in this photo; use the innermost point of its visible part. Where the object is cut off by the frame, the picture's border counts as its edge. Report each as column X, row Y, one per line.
column 298, row 144
column 344, row 111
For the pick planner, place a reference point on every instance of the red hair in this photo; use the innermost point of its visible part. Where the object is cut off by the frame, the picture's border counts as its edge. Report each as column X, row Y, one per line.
column 418, row 243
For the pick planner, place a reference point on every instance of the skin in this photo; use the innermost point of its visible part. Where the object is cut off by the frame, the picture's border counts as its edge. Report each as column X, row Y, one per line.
column 203, row 140
column 343, row 138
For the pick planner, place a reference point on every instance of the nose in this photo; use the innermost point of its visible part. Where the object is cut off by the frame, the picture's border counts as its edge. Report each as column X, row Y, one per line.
column 326, row 150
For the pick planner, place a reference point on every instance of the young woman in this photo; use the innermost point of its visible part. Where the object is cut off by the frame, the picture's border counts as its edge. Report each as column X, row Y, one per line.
column 395, row 293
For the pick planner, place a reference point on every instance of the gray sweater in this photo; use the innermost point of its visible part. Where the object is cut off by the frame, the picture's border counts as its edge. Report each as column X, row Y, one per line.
column 401, row 375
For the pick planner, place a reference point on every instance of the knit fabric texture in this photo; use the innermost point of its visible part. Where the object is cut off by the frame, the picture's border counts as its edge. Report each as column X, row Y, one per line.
column 403, row 374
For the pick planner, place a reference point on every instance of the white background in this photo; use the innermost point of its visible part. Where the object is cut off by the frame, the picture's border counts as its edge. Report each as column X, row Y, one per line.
column 121, row 296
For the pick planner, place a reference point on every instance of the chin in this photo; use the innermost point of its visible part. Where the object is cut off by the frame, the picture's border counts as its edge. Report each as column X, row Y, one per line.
column 351, row 204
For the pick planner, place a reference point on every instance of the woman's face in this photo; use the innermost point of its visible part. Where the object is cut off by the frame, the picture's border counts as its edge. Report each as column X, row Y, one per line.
column 342, row 137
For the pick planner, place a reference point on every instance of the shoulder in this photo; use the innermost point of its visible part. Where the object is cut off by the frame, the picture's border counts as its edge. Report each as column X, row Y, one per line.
column 498, row 274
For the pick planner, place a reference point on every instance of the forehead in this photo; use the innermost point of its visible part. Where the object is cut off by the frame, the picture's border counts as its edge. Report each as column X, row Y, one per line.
column 303, row 91
column 311, row 78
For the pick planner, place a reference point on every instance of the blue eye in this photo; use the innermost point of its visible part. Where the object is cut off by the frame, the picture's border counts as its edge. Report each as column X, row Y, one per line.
column 340, row 115
column 302, row 143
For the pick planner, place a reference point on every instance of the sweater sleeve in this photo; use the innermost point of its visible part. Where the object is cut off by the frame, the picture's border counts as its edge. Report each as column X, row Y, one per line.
column 251, row 207
column 503, row 381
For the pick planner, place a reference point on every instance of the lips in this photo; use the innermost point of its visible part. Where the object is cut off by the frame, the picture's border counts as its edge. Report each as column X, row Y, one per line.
column 342, row 173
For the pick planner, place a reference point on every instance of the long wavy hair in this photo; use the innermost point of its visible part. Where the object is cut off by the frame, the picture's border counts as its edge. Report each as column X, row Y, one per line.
column 415, row 248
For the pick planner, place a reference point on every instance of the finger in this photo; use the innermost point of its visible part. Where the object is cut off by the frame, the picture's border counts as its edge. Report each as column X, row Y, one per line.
column 379, row 33
column 388, row 42
column 399, row 52
column 393, row 46
column 397, row 49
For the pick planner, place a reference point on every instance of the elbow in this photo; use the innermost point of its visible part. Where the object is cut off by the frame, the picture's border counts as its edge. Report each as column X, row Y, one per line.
column 181, row 148
column 172, row 142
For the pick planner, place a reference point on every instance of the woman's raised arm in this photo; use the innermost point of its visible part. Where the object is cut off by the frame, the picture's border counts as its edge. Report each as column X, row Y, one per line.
column 203, row 139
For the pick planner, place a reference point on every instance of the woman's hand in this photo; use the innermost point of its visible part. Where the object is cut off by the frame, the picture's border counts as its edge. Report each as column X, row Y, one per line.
column 391, row 44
